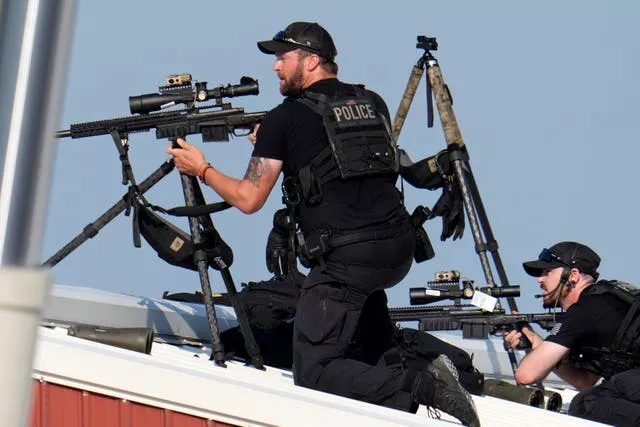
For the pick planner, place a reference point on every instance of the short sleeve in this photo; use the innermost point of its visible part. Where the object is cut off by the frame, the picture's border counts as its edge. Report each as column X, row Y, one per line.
column 572, row 326
column 271, row 137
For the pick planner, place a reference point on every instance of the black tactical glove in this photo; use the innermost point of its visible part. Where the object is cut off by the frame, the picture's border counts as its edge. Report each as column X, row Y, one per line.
column 450, row 207
column 277, row 251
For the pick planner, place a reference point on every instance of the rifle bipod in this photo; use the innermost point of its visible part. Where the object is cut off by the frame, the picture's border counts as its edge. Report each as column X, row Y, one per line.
column 199, row 225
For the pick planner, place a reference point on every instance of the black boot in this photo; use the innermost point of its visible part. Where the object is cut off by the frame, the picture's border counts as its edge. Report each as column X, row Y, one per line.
column 437, row 386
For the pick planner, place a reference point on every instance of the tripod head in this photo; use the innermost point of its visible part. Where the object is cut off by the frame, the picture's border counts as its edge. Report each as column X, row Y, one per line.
column 427, row 43
column 181, row 89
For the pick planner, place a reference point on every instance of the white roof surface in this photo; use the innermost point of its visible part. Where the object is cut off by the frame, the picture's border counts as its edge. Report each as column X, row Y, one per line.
column 183, row 379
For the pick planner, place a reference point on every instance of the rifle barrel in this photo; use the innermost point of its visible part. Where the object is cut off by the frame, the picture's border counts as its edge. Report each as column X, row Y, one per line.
column 63, row 133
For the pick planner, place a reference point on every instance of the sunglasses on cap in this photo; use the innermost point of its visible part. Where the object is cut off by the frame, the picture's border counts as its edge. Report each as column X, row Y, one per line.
column 281, row 36
column 547, row 256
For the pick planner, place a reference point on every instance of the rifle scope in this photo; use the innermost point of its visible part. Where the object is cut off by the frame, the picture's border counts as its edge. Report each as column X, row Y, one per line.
column 428, row 295
column 168, row 97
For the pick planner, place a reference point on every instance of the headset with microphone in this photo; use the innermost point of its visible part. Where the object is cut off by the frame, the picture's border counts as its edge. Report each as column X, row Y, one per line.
column 564, row 280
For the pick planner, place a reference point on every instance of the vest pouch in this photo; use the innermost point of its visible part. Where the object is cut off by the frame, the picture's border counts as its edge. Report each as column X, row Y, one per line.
column 310, row 188
column 315, row 245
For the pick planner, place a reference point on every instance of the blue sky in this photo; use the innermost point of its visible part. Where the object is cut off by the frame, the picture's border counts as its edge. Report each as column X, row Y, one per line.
column 546, row 95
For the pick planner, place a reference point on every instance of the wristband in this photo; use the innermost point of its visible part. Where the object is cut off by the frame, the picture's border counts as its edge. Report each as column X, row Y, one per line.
column 203, row 172
column 200, row 168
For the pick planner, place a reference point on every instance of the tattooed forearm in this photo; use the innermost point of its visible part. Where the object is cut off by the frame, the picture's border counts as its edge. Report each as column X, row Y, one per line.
column 255, row 170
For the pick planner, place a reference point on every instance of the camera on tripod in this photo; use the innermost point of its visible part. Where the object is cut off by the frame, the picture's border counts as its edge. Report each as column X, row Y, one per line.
column 427, row 43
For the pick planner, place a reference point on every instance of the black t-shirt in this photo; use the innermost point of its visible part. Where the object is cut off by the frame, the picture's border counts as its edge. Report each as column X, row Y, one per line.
column 591, row 322
column 295, row 134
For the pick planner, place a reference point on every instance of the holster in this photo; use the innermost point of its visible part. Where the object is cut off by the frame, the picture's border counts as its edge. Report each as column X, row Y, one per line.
column 424, row 250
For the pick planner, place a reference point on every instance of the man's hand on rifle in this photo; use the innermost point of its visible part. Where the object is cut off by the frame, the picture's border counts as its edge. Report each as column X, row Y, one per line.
column 253, row 136
column 515, row 338
column 188, row 159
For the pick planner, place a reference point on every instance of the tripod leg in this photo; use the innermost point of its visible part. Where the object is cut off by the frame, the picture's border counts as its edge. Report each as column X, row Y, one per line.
column 471, row 214
column 407, row 98
column 91, row 229
column 492, row 243
column 213, row 236
column 249, row 340
column 201, row 262
column 455, row 144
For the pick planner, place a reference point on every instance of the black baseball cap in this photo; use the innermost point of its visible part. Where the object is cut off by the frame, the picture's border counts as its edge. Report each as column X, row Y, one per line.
column 564, row 254
column 309, row 36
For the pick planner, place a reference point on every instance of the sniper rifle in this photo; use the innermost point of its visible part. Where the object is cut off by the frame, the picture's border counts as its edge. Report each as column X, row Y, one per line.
column 214, row 121
column 476, row 320
column 484, row 316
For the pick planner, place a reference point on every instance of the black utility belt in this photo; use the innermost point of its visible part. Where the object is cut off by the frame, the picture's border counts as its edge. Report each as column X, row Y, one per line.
column 319, row 243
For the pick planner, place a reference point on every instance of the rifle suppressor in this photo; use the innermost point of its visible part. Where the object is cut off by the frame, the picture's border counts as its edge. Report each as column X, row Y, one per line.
column 136, row 339
column 514, row 393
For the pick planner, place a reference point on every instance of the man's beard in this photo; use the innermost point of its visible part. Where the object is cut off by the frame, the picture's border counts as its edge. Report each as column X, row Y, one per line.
column 549, row 302
column 553, row 298
column 292, row 86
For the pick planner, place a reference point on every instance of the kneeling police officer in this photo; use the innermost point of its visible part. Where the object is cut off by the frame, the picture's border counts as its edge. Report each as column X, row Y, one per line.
column 332, row 141
column 597, row 336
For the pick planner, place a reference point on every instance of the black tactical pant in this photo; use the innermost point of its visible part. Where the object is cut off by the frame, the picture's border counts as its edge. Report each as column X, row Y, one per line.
column 327, row 316
column 615, row 402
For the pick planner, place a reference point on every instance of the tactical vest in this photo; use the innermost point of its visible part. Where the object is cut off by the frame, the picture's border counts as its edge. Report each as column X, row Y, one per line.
column 359, row 137
column 624, row 352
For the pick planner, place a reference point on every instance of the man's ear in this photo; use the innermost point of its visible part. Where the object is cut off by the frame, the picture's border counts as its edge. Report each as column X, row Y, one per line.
column 574, row 277
column 313, row 62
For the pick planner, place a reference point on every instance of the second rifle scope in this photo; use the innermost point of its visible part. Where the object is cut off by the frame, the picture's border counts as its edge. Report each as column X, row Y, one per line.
column 428, row 295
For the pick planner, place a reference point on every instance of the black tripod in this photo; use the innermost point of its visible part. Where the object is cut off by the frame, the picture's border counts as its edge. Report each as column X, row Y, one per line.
column 200, row 224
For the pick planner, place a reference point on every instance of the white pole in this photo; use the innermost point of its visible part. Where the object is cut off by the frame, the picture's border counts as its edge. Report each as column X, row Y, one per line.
column 35, row 38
